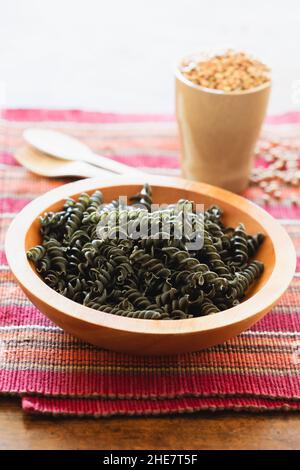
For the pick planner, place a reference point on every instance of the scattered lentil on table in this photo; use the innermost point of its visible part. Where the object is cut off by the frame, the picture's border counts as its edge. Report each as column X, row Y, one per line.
column 278, row 169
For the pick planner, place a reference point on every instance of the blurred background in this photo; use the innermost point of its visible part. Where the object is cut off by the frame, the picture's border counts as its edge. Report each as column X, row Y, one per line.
column 119, row 55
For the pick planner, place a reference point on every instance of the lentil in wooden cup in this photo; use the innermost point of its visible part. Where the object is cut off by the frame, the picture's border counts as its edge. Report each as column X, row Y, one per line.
column 220, row 122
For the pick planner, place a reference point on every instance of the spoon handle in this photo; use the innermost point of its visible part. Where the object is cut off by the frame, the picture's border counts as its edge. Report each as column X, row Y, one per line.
column 85, row 170
column 111, row 165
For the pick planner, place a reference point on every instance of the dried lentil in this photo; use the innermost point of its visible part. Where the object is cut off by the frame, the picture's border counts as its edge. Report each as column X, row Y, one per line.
column 229, row 72
column 280, row 170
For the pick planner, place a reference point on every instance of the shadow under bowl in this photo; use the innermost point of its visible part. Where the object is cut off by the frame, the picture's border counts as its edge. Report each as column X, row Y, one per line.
column 147, row 337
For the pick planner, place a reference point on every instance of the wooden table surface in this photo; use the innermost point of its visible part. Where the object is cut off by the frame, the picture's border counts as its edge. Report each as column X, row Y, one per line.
column 207, row 430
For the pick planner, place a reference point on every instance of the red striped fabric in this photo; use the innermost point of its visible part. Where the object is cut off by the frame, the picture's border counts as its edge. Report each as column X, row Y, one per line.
column 58, row 374
column 106, row 408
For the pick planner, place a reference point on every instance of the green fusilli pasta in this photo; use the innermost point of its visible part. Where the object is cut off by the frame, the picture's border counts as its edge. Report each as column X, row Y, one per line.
column 131, row 261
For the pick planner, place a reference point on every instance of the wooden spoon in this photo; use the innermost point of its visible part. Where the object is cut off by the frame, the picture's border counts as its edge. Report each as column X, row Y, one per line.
column 60, row 145
column 44, row 165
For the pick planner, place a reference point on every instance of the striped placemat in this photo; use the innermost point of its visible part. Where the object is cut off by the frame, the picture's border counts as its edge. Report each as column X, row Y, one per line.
column 56, row 373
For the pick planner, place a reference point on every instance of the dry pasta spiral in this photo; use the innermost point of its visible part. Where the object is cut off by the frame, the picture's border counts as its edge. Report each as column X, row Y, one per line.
column 135, row 262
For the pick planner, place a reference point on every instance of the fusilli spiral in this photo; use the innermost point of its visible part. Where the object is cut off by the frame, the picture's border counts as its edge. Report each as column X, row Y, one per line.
column 130, row 261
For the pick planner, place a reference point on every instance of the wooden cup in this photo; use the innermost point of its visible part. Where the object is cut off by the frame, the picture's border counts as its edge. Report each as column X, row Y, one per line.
column 218, row 132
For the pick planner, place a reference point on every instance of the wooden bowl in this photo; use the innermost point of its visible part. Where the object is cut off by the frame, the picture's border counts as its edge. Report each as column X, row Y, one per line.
column 154, row 336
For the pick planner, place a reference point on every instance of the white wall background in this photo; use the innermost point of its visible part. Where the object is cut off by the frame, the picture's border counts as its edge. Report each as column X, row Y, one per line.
column 118, row 55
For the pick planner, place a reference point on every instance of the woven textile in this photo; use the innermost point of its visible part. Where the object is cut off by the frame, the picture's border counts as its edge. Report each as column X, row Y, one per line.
column 57, row 373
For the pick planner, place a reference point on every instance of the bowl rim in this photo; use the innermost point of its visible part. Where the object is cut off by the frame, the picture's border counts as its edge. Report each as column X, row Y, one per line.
column 264, row 299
